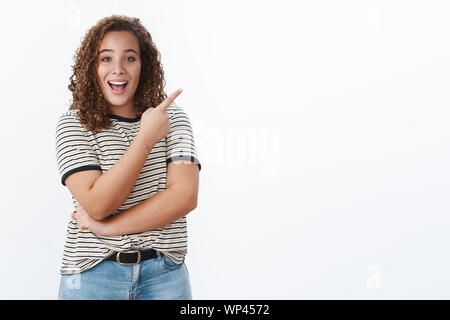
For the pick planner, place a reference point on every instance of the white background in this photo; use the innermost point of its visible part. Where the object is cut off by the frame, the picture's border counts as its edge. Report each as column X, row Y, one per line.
column 322, row 128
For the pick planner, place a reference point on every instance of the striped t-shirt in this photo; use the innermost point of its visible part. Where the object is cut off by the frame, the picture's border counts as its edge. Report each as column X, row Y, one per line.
column 78, row 149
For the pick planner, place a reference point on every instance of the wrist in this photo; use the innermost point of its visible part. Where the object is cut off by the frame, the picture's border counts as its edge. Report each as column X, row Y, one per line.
column 144, row 143
column 102, row 228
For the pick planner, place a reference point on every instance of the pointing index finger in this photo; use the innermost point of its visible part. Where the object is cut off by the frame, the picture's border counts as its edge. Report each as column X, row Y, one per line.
column 167, row 102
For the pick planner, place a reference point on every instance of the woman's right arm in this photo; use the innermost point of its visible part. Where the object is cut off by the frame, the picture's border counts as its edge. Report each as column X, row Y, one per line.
column 101, row 194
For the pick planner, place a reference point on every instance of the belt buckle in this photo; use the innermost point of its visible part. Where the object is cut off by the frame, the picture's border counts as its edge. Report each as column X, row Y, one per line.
column 128, row 263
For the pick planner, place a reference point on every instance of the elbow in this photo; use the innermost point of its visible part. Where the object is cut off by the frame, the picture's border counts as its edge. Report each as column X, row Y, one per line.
column 97, row 216
column 92, row 211
column 98, row 212
column 193, row 202
column 187, row 200
column 192, row 206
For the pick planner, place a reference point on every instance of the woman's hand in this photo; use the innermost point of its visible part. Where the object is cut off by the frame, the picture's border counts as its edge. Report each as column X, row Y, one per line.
column 155, row 123
column 85, row 222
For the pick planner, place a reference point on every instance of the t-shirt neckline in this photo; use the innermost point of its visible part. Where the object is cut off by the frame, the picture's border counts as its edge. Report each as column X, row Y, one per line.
column 120, row 118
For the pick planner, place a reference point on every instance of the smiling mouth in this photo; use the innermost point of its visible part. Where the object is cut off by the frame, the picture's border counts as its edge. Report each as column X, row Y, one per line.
column 118, row 87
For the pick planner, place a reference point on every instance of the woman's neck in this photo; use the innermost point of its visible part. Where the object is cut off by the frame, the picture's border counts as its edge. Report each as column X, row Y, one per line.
column 123, row 111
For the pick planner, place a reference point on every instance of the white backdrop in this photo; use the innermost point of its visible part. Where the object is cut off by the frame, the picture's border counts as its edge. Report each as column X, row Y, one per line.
column 321, row 126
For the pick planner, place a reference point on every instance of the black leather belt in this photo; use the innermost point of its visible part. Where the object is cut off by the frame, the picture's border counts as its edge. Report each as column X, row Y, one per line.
column 130, row 257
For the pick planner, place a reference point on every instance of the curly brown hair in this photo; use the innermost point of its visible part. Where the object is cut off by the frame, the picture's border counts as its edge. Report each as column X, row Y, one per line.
column 87, row 96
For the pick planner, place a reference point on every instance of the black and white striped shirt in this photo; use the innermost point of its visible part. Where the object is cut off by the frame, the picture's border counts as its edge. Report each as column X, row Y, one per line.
column 78, row 149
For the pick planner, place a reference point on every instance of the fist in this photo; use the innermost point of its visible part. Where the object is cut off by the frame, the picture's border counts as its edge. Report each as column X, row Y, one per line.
column 155, row 123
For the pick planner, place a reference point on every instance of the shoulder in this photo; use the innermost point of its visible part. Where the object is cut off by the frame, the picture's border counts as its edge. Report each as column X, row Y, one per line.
column 68, row 122
column 69, row 117
column 172, row 109
column 176, row 113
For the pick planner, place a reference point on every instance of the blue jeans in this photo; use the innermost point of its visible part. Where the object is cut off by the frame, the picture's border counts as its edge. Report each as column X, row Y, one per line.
column 153, row 279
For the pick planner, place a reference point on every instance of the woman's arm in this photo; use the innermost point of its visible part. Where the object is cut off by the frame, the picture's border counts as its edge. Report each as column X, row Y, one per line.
column 102, row 193
column 179, row 198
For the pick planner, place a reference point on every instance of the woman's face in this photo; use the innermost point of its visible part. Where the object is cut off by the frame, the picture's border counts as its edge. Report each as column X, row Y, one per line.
column 119, row 68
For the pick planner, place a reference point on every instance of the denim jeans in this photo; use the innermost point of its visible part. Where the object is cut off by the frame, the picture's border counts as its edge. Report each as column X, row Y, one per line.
column 153, row 279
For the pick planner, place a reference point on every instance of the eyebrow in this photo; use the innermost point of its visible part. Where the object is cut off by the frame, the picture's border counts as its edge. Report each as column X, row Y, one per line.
column 110, row 50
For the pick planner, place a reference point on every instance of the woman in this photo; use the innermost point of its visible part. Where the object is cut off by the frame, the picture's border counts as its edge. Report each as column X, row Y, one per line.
column 126, row 153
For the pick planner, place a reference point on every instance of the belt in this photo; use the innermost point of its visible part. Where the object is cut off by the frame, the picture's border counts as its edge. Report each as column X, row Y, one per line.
column 130, row 257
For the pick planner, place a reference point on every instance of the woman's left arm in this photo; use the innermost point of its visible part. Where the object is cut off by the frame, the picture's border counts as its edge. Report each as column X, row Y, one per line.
column 177, row 200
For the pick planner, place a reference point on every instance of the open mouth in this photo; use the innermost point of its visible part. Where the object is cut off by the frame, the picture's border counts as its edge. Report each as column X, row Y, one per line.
column 118, row 87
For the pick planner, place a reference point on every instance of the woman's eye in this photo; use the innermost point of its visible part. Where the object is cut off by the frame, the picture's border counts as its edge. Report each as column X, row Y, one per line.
column 129, row 59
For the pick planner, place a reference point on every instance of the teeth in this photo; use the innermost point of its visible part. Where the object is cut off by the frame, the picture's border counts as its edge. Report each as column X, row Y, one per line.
column 117, row 83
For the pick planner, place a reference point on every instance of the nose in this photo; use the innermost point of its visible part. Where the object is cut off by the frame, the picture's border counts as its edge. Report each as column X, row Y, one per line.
column 118, row 67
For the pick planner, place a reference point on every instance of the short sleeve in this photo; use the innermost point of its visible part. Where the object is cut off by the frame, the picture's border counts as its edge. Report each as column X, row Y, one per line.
column 180, row 140
column 74, row 152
